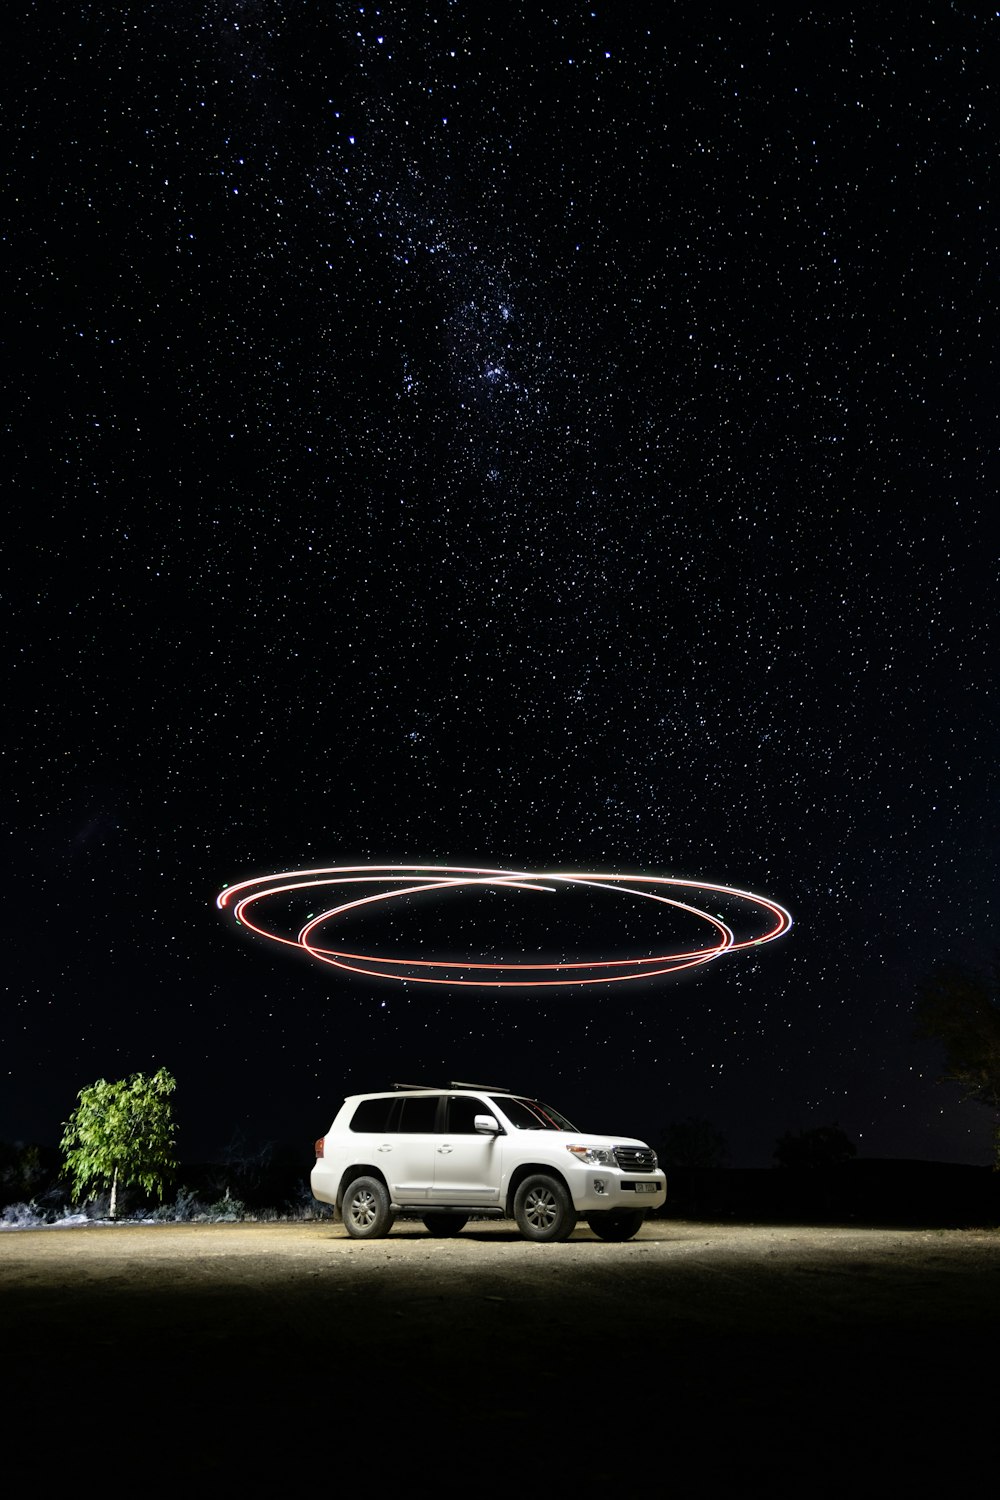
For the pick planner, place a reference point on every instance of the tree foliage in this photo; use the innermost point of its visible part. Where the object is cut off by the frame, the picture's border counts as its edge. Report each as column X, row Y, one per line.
column 960, row 1008
column 122, row 1133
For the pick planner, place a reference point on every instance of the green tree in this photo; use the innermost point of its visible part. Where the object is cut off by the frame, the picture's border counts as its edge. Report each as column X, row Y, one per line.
column 960, row 1008
column 121, row 1133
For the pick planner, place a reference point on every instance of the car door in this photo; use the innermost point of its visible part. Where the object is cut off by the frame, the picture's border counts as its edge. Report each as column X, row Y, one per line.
column 409, row 1164
column 467, row 1165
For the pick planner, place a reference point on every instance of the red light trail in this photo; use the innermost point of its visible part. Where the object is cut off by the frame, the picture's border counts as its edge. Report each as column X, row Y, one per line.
column 398, row 881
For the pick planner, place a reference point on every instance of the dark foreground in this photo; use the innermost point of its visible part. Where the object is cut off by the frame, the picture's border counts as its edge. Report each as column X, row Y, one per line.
column 203, row 1356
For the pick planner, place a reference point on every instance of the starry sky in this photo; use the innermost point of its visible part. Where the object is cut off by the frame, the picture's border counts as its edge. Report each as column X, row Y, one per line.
column 549, row 436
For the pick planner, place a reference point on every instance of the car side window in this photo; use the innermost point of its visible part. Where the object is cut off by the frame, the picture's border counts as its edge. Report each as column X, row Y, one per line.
column 418, row 1115
column 462, row 1112
column 372, row 1116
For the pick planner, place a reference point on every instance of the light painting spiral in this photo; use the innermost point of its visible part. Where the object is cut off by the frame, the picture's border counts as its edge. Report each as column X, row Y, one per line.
column 247, row 899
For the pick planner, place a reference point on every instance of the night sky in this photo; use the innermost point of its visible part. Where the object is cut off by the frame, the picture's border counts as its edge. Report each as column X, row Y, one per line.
column 493, row 433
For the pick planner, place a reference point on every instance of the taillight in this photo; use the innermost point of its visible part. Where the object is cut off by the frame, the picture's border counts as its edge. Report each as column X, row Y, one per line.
column 319, row 1146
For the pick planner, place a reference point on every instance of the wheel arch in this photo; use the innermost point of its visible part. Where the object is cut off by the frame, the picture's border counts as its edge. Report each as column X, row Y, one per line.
column 532, row 1169
column 359, row 1169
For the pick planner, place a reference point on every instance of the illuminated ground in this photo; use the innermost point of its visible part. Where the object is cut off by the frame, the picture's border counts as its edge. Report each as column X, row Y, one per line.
column 797, row 1355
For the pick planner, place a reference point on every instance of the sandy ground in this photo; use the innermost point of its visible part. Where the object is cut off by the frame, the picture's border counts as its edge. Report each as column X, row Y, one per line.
column 800, row 1357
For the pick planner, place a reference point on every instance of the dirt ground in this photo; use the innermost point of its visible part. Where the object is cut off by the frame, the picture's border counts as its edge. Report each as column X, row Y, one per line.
column 793, row 1356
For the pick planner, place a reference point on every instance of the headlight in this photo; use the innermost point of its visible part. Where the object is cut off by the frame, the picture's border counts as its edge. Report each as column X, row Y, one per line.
column 593, row 1156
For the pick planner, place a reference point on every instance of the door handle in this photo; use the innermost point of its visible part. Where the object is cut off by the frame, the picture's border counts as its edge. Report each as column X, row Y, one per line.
column 443, row 1150
column 385, row 1148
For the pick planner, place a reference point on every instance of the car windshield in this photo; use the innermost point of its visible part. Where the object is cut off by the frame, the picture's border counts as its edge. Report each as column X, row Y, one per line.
column 528, row 1114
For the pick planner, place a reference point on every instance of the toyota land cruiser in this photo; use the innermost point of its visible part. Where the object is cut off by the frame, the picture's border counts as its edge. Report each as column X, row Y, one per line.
column 445, row 1154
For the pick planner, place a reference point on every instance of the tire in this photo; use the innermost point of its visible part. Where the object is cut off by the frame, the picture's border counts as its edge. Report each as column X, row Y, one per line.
column 616, row 1226
column 366, row 1211
column 445, row 1226
column 543, row 1209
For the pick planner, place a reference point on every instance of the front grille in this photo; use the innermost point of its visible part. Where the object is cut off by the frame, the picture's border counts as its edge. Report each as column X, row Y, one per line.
column 635, row 1158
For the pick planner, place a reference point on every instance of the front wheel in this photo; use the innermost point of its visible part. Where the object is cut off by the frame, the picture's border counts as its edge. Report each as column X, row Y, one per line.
column 616, row 1226
column 366, row 1209
column 544, row 1210
column 444, row 1226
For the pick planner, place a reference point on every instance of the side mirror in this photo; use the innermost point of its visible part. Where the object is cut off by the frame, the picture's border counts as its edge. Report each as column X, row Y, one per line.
column 487, row 1125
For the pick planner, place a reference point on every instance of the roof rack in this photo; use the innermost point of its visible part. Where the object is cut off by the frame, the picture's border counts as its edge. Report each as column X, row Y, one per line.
column 490, row 1088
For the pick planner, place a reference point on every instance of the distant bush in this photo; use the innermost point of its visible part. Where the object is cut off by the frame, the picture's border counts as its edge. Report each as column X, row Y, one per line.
column 30, row 1174
column 692, row 1144
column 184, row 1208
column 34, row 1194
column 826, row 1146
column 22, row 1216
column 227, row 1210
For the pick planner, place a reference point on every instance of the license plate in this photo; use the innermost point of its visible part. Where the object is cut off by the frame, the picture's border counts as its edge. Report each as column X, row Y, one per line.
column 646, row 1187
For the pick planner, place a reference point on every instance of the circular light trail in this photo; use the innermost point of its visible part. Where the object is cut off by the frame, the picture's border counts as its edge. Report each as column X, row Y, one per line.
column 396, row 881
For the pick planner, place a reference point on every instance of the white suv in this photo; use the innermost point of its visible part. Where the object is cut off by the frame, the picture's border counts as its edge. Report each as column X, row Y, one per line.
column 447, row 1153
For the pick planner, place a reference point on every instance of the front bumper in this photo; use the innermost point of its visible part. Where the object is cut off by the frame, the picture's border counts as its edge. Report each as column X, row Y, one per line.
column 608, row 1191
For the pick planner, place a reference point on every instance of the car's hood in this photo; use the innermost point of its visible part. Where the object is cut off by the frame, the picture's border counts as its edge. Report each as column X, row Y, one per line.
column 582, row 1138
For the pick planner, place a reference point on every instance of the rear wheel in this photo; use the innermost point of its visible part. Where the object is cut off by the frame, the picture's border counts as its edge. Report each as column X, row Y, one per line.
column 444, row 1226
column 366, row 1209
column 543, row 1209
column 616, row 1226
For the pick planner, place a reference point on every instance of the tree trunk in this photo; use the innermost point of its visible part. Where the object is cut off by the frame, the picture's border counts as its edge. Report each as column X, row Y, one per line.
column 114, row 1195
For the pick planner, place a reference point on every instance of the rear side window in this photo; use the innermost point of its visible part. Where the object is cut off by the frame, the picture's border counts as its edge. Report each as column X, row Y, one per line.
column 372, row 1116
